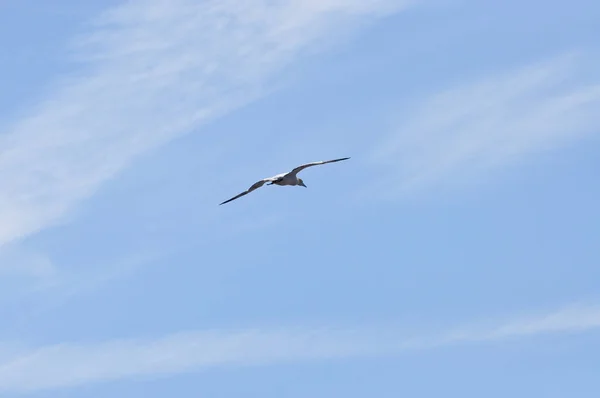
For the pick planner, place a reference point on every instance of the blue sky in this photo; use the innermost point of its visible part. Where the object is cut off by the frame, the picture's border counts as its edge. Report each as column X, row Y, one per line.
column 455, row 253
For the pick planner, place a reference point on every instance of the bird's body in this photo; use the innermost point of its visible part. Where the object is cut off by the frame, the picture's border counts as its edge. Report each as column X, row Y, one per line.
column 284, row 179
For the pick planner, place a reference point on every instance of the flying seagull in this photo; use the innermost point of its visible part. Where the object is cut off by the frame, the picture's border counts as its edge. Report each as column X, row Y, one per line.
column 282, row 179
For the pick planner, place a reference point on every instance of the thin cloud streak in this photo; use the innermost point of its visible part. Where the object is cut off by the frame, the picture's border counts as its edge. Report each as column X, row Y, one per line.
column 72, row 364
column 15, row 261
column 153, row 70
column 490, row 123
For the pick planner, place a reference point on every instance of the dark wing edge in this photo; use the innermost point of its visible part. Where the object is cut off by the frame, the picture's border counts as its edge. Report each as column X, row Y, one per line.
column 235, row 197
column 302, row 167
column 254, row 186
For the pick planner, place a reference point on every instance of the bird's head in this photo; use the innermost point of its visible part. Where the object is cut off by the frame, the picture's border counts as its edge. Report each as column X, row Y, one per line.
column 301, row 183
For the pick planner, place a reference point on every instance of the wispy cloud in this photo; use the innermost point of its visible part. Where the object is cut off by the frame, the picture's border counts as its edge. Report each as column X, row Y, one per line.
column 23, row 272
column 153, row 70
column 492, row 122
column 18, row 262
column 72, row 364
column 31, row 284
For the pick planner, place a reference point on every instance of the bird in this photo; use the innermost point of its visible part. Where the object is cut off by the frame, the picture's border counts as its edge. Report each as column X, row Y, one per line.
column 290, row 178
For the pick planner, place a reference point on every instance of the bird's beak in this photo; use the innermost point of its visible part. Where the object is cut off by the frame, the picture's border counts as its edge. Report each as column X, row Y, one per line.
column 304, row 185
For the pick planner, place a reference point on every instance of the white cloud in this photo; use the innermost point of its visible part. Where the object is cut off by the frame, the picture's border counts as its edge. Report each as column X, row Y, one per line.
column 72, row 364
column 24, row 271
column 492, row 122
column 153, row 70
column 16, row 261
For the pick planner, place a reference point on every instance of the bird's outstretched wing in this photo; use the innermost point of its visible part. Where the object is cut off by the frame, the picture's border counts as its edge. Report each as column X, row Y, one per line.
column 254, row 186
column 300, row 168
